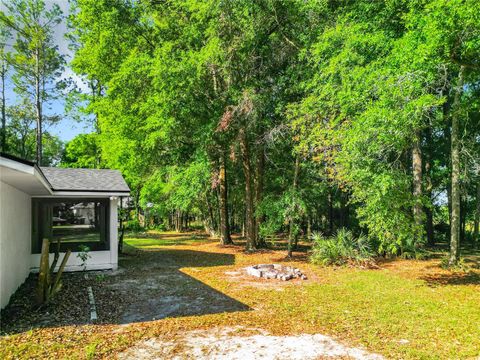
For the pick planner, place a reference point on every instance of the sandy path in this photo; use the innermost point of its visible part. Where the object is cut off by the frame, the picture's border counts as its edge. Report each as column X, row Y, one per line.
column 223, row 343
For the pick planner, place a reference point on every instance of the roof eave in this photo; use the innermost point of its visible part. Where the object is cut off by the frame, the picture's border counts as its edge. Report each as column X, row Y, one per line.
column 91, row 194
column 37, row 172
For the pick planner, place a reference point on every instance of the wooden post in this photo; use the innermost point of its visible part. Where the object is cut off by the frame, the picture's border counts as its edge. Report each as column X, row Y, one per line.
column 56, row 284
column 45, row 288
column 55, row 258
column 44, row 272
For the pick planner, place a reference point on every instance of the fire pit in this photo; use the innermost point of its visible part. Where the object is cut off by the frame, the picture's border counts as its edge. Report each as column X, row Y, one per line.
column 275, row 271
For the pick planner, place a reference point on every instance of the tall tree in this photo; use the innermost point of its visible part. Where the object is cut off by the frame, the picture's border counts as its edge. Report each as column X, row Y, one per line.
column 36, row 61
column 417, row 169
column 225, row 238
column 4, row 36
column 21, row 134
column 455, row 151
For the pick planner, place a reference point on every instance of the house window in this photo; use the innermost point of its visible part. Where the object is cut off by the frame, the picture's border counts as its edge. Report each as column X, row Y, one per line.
column 74, row 221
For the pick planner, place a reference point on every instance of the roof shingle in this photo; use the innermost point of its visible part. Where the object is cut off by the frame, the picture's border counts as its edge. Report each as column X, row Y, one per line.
column 105, row 180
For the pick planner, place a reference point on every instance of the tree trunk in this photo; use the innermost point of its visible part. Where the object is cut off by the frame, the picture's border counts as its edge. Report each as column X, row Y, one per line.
column 428, row 190
column 137, row 205
column 476, row 233
column 455, row 155
column 330, row 211
column 225, row 238
column 249, row 209
column 417, row 186
column 259, row 193
column 309, row 227
column 448, row 135
column 212, row 225
column 177, row 220
column 231, row 217
column 38, row 107
column 170, row 220
column 45, row 287
column 3, row 138
column 463, row 205
column 56, row 283
column 243, row 227
column 292, row 234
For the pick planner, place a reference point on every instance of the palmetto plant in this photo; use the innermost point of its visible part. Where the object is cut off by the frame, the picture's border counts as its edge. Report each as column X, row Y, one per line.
column 342, row 248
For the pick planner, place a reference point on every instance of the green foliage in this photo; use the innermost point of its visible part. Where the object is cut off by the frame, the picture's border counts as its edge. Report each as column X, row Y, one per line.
column 177, row 187
column 84, row 255
column 377, row 83
column 133, row 226
column 460, row 266
column 342, row 248
column 82, row 151
column 348, row 88
column 280, row 211
column 20, row 135
column 100, row 277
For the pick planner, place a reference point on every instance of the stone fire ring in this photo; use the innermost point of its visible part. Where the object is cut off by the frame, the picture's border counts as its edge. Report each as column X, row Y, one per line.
column 275, row 271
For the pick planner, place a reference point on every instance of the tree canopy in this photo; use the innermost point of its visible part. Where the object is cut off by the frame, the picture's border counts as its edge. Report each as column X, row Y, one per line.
column 288, row 116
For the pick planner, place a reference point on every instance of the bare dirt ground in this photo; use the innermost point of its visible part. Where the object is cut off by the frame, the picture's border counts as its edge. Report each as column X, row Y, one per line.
column 157, row 288
column 225, row 343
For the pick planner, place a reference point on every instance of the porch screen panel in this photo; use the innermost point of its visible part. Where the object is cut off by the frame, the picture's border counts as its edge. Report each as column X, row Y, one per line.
column 75, row 222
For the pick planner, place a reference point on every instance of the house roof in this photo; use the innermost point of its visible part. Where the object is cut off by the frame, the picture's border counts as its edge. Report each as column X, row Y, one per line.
column 40, row 181
column 17, row 159
column 23, row 175
column 91, row 180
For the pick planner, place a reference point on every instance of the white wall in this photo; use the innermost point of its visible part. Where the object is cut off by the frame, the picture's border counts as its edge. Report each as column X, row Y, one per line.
column 15, row 240
column 99, row 260
column 16, row 259
column 114, row 232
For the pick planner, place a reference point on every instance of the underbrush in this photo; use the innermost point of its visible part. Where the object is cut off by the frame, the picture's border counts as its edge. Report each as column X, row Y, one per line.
column 460, row 266
column 344, row 248
column 133, row 226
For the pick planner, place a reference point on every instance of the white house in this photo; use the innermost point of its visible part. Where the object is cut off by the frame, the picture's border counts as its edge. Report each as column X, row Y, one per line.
column 78, row 206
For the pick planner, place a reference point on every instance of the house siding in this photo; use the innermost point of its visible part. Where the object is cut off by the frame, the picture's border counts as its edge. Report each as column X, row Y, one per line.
column 15, row 243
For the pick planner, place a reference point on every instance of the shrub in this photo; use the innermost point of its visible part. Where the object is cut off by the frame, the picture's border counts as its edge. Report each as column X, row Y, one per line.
column 159, row 227
column 412, row 251
column 342, row 248
column 461, row 265
column 84, row 255
column 133, row 225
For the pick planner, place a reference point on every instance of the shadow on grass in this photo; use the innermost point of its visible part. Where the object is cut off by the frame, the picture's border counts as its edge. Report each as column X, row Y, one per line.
column 469, row 276
column 454, row 278
column 150, row 285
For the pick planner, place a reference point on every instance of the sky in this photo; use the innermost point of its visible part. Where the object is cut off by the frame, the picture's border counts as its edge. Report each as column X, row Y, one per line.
column 67, row 128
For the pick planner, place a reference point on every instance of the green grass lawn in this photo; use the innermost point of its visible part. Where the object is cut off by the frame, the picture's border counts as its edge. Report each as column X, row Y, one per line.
column 73, row 233
column 408, row 309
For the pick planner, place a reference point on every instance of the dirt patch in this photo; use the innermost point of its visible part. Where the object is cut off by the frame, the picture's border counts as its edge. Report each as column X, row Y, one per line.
column 236, row 343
